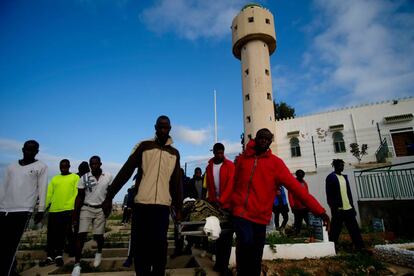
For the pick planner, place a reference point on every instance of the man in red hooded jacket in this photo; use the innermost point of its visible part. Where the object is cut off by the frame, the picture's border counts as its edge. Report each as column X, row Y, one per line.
column 219, row 182
column 258, row 175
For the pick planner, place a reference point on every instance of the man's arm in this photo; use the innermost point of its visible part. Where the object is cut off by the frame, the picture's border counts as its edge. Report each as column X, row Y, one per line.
column 328, row 188
column 300, row 193
column 123, row 175
column 176, row 188
column 42, row 190
column 120, row 179
column 50, row 190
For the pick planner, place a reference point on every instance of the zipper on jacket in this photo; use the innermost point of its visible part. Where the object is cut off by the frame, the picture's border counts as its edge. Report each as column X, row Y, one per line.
column 158, row 176
column 249, row 185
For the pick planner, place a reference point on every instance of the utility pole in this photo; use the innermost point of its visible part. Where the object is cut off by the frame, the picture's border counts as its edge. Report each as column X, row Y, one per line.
column 215, row 117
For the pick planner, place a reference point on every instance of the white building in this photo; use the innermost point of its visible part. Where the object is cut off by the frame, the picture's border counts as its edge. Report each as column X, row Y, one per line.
column 312, row 141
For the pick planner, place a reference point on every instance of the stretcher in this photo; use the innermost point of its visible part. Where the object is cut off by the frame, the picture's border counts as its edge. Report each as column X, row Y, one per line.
column 193, row 224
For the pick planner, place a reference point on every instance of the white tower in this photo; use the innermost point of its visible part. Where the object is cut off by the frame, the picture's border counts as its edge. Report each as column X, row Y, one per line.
column 254, row 40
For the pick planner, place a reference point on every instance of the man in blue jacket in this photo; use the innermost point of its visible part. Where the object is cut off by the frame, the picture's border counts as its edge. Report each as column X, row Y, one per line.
column 339, row 197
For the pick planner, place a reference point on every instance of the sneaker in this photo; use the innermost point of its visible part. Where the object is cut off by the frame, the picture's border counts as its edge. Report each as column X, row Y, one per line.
column 76, row 270
column 46, row 262
column 59, row 261
column 213, row 258
column 98, row 259
column 203, row 254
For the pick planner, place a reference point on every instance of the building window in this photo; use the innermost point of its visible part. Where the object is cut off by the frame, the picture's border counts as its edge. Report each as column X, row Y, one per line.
column 295, row 147
column 246, row 72
column 247, row 97
column 248, row 119
column 269, row 96
column 339, row 143
column 235, row 27
column 250, row 136
column 267, row 72
column 267, row 21
column 251, row 19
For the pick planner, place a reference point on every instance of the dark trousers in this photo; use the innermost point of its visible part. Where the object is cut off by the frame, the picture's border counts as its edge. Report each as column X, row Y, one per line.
column 11, row 231
column 348, row 217
column 126, row 215
column 59, row 227
column 150, row 242
column 223, row 248
column 249, row 246
column 299, row 216
column 281, row 210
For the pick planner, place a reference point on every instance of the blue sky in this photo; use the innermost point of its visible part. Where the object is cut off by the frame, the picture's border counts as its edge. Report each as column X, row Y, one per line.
column 90, row 77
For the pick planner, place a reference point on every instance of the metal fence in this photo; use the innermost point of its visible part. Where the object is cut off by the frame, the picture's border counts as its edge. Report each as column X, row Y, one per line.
column 386, row 182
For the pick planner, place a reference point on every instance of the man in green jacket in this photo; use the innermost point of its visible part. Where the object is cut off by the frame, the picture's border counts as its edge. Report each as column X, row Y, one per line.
column 60, row 201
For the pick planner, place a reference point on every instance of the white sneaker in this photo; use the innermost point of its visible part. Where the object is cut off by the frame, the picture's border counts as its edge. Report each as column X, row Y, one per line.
column 203, row 254
column 98, row 259
column 76, row 270
column 213, row 258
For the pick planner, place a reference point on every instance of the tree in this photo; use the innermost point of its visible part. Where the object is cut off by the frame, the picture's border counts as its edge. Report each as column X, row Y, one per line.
column 283, row 111
column 358, row 153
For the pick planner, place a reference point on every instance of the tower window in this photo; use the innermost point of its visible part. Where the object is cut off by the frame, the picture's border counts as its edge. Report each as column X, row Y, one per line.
column 250, row 136
column 251, row 19
column 267, row 21
column 246, row 71
column 248, row 119
column 295, row 147
column 267, row 72
column 235, row 27
column 339, row 143
column 247, row 97
column 269, row 96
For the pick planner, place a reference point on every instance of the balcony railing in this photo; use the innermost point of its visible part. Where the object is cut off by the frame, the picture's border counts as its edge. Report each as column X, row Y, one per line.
column 386, row 182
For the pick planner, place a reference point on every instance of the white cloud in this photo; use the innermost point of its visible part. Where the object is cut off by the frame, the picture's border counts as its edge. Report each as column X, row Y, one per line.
column 232, row 147
column 367, row 47
column 192, row 136
column 192, row 19
column 9, row 145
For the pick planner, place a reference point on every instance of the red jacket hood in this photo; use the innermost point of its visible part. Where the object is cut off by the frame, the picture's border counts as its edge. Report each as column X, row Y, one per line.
column 251, row 150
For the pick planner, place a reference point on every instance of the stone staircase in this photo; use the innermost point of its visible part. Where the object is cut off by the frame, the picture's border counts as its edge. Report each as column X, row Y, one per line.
column 113, row 256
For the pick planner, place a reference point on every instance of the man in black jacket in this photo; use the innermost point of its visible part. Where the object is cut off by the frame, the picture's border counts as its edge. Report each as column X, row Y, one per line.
column 339, row 197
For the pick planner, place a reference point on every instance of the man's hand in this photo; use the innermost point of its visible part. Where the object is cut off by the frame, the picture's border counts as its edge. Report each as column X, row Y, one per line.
column 107, row 207
column 38, row 217
column 178, row 216
column 326, row 221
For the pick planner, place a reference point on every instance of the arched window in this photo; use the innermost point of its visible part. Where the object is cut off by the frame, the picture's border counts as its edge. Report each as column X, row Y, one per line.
column 339, row 143
column 295, row 147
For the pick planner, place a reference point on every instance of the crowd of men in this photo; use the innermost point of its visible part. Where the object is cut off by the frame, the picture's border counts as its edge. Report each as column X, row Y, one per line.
column 249, row 190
